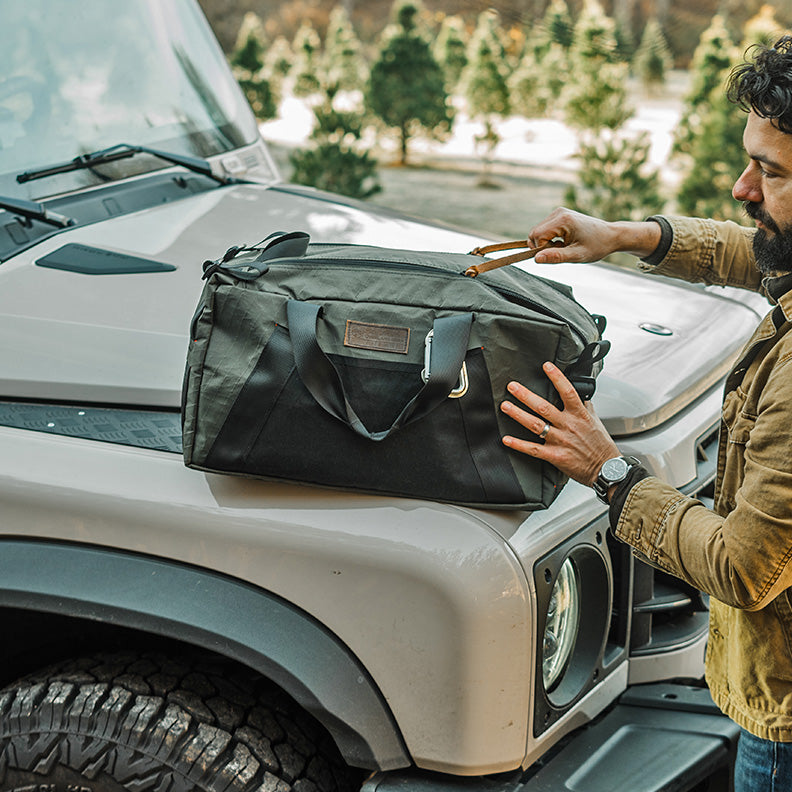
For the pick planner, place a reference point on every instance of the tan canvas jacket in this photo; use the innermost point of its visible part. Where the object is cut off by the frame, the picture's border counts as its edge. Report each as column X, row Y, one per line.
column 741, row 553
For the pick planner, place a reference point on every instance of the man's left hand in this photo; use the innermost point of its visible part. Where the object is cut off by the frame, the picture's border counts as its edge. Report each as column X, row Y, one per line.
column 575, row 441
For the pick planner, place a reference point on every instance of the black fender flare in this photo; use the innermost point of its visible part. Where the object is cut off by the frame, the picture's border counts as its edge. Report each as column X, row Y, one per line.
column 223, row 614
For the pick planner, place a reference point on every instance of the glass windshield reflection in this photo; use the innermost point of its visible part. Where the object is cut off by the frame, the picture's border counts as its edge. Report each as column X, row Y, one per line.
column 78, row 77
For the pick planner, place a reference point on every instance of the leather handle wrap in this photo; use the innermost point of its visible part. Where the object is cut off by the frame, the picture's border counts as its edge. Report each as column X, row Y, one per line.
column 491, row 264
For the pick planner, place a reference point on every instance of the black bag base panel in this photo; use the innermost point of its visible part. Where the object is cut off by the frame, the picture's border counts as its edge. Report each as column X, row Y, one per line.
column 465, row 463
column 88, row 260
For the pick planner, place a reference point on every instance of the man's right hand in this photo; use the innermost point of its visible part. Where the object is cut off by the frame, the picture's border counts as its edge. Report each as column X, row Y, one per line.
column 591, row 239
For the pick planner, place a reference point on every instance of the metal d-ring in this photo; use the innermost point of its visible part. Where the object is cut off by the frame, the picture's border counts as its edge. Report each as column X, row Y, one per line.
column 462, row 388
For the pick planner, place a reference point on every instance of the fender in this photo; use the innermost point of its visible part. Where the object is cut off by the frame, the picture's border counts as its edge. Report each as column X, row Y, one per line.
column 232, row 618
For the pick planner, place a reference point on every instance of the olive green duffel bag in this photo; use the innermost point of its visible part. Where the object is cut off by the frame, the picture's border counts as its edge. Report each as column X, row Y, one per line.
column 378, row 370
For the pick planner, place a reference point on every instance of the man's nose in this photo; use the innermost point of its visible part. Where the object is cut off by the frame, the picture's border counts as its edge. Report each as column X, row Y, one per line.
column 748, row 186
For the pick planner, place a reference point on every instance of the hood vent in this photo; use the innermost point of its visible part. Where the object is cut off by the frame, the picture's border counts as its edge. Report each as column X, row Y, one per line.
column 89, row 260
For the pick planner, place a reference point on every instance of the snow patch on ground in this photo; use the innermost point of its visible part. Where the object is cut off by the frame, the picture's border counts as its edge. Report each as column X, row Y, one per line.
column 537, row 142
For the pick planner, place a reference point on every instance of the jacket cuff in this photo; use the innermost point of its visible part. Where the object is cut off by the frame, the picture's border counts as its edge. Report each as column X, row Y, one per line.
column 622, row 491
column 666, row 238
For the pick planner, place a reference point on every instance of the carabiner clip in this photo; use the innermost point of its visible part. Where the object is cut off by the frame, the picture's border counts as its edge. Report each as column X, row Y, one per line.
column 462, row 388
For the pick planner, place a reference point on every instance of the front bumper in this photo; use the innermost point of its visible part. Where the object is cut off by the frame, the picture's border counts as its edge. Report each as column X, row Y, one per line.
column 658, row 738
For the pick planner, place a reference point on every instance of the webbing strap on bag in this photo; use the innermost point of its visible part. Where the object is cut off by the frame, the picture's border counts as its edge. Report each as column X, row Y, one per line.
column 319, row 375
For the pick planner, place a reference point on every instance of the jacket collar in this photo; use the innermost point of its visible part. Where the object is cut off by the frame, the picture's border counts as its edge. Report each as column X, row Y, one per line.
column 779, row 289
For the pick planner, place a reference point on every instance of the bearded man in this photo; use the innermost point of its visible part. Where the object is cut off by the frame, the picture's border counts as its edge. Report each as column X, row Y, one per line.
column 741, row 551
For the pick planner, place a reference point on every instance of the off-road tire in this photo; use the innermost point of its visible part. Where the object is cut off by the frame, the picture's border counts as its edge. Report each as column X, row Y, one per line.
column 134, row 723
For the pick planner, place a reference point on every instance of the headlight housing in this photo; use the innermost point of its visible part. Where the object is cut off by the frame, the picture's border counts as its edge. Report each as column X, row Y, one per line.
column 561, row 625
column 574, row 592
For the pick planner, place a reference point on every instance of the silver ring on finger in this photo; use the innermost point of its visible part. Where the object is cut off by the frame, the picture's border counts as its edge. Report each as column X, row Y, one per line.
column 545, row 431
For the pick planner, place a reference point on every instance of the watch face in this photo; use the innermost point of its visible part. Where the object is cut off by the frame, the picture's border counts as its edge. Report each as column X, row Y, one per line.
column 615, row 469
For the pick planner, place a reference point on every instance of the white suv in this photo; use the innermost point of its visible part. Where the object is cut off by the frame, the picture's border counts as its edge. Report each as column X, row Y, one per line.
column 168, row 629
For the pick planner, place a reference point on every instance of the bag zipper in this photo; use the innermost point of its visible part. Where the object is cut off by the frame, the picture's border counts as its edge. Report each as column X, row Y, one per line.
column 520, row 299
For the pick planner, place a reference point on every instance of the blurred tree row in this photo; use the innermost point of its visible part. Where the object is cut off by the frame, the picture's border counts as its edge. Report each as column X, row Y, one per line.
column 419, row 75
column 682, row 21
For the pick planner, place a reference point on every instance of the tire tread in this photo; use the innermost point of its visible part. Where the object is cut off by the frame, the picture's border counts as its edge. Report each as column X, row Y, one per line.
column 158, row 724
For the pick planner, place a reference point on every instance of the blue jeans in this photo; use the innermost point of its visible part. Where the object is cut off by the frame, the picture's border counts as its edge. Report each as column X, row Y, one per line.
column 762, row 765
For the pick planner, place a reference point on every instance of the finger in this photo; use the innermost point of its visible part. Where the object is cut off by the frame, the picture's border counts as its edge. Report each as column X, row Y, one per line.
column 566, row 390
column 525, row 446
column 548, row 229
column 531, row 422
column 559, row 254
column 548, row 412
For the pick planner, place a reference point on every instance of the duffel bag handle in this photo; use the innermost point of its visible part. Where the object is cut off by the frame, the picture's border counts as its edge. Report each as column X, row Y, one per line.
column 491, row 264
column 319, row 375
column 277, row 245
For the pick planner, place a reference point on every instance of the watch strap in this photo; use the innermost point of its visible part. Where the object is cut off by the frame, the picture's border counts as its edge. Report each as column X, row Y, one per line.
column 602, row 485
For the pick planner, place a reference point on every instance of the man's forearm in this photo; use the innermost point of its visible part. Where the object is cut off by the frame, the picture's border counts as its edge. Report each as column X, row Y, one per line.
column 637, row 238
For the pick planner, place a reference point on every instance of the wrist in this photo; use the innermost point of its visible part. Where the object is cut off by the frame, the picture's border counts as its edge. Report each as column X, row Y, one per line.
column 612, row 472
column 638, row 238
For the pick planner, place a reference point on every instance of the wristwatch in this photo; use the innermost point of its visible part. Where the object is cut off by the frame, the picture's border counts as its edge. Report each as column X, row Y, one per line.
column 612, row 472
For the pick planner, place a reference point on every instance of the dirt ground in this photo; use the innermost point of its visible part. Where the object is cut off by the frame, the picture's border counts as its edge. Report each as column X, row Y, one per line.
column 448, row 191
column 442, row 182
column 510, row 207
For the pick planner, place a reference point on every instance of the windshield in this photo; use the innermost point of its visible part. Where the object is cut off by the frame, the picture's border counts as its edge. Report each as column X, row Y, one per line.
column 76, row 77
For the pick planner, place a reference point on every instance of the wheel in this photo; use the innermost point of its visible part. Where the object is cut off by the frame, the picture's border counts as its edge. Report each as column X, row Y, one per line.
column 147, row 722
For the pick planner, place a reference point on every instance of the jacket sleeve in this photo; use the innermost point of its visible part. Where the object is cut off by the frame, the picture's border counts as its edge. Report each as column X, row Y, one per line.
column 709, row 251
column 743, row 559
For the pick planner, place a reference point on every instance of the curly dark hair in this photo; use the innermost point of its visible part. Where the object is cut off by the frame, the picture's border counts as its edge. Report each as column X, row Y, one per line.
column 764, row 83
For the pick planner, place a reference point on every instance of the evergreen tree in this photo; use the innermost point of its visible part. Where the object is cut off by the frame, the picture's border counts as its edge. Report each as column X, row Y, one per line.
column 484, row 80
column 653, row 58
column 278, row 59
column 597, row 97
column 247, row 62
column 558, row 24
column 528, row 92
column 716, row 158
column 307, row 51
column 250, row 44
column 485, row 87
column 708, row 142
column 711, row 63
column 336, row 162
column 541, row 73
column 762, row 28
column 594, row 35
column 406, row 87
column 625, row 43
column 344, row 67
column 555, row 73
column 450, row 49
column 614, row 179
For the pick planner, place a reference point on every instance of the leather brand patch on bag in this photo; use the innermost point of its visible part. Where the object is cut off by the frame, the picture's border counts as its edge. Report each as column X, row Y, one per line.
column 378, row 337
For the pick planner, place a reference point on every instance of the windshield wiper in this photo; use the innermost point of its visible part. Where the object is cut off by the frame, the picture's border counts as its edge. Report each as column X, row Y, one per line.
column 122, row 151
column 35, row 211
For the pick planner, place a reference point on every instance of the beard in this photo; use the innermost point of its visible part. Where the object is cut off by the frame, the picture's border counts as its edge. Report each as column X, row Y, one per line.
column 772, row 251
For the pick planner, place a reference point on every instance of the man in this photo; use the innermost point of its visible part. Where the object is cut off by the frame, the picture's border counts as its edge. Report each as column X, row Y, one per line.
column 741, row 552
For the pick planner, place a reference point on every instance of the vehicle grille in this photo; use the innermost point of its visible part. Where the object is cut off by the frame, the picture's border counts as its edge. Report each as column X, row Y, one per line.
column 655, row 612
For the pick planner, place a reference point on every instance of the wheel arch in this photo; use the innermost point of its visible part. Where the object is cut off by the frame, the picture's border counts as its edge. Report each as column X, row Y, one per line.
column 204, row 609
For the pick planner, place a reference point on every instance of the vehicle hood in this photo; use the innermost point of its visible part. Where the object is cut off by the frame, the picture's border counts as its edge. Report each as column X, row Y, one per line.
column 121, row 339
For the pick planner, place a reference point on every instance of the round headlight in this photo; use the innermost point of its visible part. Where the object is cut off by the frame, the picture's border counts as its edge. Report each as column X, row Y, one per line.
column 561, row 626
